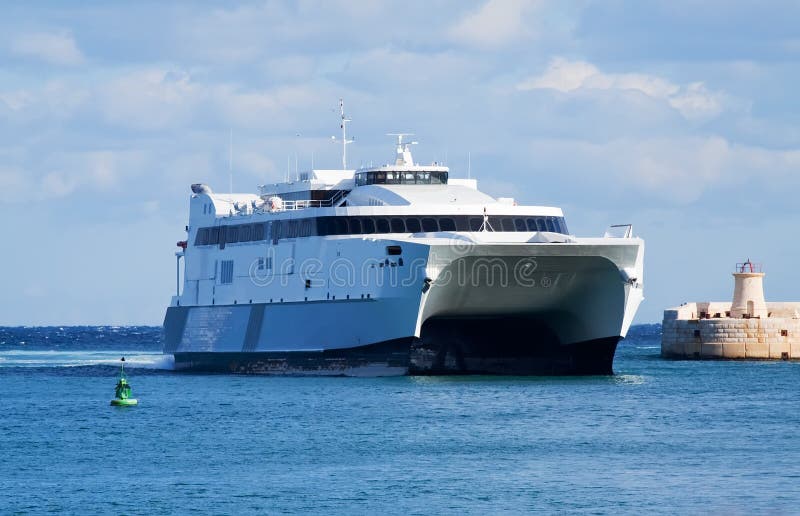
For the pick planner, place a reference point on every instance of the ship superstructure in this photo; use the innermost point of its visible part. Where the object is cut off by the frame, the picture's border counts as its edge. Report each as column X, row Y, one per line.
column 396, row 269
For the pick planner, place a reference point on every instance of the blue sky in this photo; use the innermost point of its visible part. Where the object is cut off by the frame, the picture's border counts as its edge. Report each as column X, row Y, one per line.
column 680, row 117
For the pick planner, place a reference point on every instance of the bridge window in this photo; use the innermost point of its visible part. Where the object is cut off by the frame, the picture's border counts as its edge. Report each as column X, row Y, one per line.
column 423, row 177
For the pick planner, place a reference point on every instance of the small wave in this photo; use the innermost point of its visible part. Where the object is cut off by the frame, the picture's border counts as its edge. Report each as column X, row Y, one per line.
column 50, row 358
column 629, row 379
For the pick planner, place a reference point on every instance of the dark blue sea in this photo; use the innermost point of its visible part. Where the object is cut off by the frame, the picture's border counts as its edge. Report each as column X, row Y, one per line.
column 657, row 437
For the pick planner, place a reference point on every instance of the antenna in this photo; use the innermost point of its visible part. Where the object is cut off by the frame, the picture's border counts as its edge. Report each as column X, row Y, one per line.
column 403, row 150
column 230, row 162
column 344, row 139
column 296, row 172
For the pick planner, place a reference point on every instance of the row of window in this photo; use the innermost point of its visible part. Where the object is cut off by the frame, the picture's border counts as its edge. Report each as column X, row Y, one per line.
column 323, row 226
column 382, row 177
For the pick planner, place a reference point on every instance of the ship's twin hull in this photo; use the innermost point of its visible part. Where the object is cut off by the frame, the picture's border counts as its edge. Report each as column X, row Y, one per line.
column 561, row 315
column 411, row 357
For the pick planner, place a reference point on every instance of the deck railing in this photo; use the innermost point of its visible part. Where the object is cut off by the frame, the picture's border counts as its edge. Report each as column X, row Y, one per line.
column 749, row 266
column 291, row 205
column 619, row 231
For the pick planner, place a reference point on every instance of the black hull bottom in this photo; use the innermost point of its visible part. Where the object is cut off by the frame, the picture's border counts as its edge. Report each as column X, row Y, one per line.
column 389, row 358
column 506, row 347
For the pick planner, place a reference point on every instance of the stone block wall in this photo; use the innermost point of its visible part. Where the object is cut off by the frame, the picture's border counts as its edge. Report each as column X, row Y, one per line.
column 687, row 336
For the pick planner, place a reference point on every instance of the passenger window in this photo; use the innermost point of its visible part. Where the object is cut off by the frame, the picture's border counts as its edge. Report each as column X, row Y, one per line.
column 244, row 233
column 462, row 223
column 341, row 226
column 368, row 226
column 382, row 225
column 412, row 225
column 323, row 226
column 305, row 227
column 258, row 232
column 563, row 224
column 355, row 227
column 540, row 224
column 394, row 250
column 222, row 236
column 293, row 229
column 519, row 224
column 507, row 224
column 531, row 223
column 447, row 224
column 475, row 223
column 550, row 225
column 231, row 234
column 398, row 226
column 429, row 225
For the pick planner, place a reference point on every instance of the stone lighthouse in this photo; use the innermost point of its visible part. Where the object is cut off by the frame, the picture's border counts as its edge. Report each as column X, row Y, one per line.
column 748, row 292
column 747, row 328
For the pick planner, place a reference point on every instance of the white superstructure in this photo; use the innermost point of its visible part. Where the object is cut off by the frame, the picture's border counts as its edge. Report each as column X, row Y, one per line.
column 395, row 269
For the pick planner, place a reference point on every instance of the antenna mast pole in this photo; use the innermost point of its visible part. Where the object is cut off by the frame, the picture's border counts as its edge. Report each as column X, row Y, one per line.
column 345, row 141
column 230, row 162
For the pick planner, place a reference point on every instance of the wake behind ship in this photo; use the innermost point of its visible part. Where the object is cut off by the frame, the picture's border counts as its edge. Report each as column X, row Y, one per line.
column 391, row 270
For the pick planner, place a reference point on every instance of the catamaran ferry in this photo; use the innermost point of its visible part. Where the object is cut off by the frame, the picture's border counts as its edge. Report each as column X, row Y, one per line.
column 392, row 270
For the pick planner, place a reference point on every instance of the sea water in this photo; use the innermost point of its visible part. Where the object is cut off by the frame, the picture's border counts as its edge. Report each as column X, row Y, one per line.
column 657, row 437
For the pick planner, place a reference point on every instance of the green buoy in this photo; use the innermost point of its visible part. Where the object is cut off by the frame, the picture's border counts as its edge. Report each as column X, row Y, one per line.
column 123, row 391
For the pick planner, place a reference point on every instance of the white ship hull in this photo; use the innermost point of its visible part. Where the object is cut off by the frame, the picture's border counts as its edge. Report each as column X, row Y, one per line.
column 481, row 307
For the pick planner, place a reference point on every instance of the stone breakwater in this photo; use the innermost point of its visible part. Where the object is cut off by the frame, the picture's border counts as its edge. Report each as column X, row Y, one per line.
column 706, row 330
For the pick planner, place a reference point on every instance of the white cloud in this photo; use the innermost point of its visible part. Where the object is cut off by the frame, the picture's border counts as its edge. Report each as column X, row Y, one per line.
column 151, row 98
column 16, row 100
column 14, row 185
column 55, row 48
column 693, row 101
column 57, row 184
column 677, row 170
column 496, row 23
